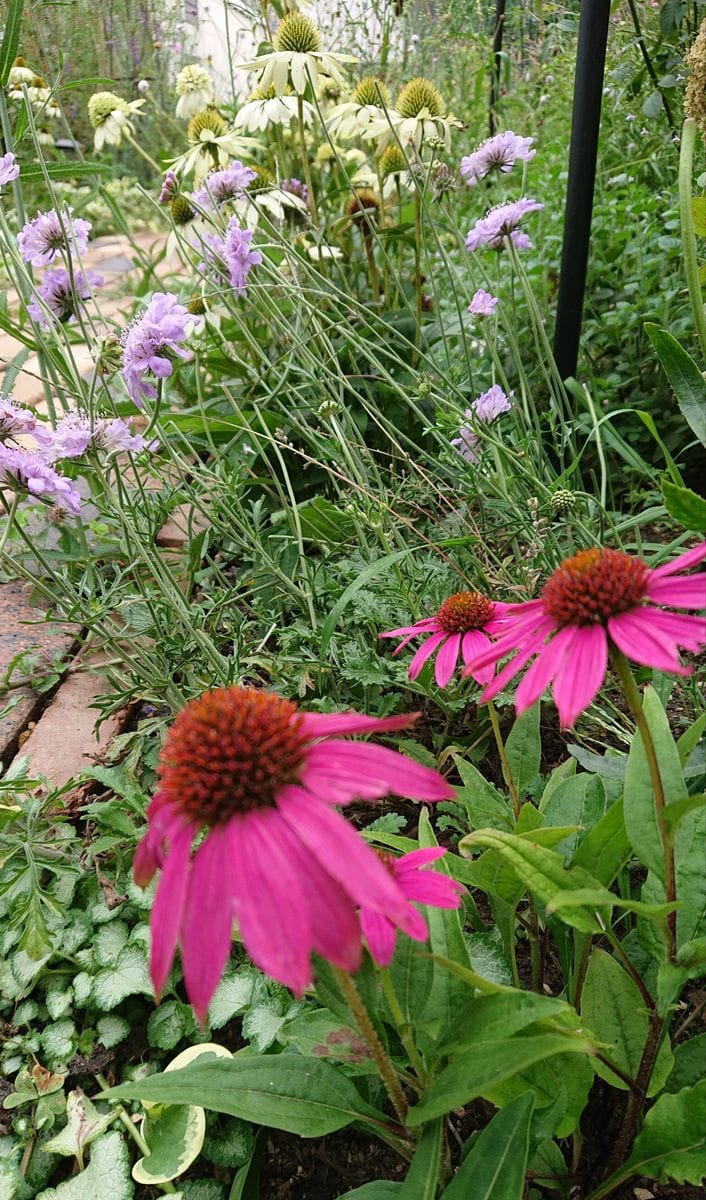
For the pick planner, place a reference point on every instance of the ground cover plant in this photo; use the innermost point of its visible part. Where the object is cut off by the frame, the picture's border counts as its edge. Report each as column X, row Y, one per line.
column 393, row 883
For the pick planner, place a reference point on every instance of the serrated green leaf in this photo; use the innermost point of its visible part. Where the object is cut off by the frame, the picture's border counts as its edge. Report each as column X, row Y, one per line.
column 614, row 1009
column 689, row 1064
column 169, row 1023
column 494, row 1168
column 524, row 749
column 107, row 1174
column 108, row 942
column 262, row 1023
column 128, row 977
column 685, row 377
column 321, row 1034
column 686, row 506
column 232, row 996
column 84, row 1123
column 112, row 1030
column 580, row 800
column 671, row 1146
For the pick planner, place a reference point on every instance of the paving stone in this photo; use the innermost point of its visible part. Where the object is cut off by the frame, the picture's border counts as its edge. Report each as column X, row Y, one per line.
column 185, row 523
column 48, row 639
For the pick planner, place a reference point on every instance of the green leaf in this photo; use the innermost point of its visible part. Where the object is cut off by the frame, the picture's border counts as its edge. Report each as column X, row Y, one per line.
column 686, row 506
column 65, row 170
column 127, row 977
column 614, row 1009
column 560, row 1086
column 11, row 39
column 485, row 805
column 169, row 1023
column 83, row 1125
column 232, row 996
column 107, row 1174
column 638, row 798
column 423, row 1175
column 489, row 1062
column 412, row 974
column 580, row 800
column 445, row 940
column 689, row 1064
column 175, row 1134
column 605, row 849
column 671, row 1146
column 299, row 1095
column 320, row 1034
column 524, row 749
column 112, row 1030
column 690, row 738
column 685, row 377
column 497, row 1016
column 494, row 1168
column 380, row 1189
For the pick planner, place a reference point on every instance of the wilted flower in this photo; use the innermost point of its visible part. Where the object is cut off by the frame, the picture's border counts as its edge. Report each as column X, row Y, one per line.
column 463, row 625
column 482, row 304
column 46, row 235
column 597, row 601
column 13, row 419
column 501, row 222
column 221, row 186
column 297, row 57
column 110, row 118
column 150, row 341
column 194, row 89
column 416, row 884
column 499, row 153
column 442, row 180
column 30, row 471
column 265, row 108
column 9, row 169
column 59, row 297
column 262, row 780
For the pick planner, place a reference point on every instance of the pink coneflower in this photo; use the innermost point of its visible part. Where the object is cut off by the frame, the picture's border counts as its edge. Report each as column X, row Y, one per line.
column 262, row 779
column 424, row 887
column 597, row 601
column 463, row 625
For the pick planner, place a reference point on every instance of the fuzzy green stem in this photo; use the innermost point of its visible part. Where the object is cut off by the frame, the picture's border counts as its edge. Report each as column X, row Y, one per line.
column 418, row 273
column 148, row 159
column 688, row 235
column 305, row 160
column 385, row 1068
column 507, row 773
column 403, row 1027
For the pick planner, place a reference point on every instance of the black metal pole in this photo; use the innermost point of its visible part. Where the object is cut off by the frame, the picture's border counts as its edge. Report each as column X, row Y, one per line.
column 583, row 152
column 498, row 28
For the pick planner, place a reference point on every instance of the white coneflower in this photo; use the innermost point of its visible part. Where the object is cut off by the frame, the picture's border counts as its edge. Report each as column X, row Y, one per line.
column 212, row 144
column 110, row 118
column 195, row 91
column 368, row 103
column 267, row 108
column 297, row 57
column 419, row 116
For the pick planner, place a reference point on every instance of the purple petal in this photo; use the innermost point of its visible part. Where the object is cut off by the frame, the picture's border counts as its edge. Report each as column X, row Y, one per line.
column 447, row 660
column 543, row 669
column 207, row 924
column 688, row 559
column 687, row 592
column 645, row 643
column 380, row 934
column 424, row 652
column 168, row 908
column 581, row 672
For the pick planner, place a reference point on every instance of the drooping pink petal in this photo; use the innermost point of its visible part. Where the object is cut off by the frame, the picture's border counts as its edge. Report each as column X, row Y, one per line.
column 344, row 854
column 474, row 643
column 418, row 858
column 431, row 887
column 325, row 725
column 531, row 646
column 424, row 652
column 517, row 637
column 684, row 561
column 684, row 630
column 447, row 659
column 168, row 908
column 377, row 767
column 207, row 923
column 581, row 672
column 418, row 627
column 686, row 592
column 644, row 643
column 165, row 824
column 543, row 669
column 271, row 905
column 380, row 934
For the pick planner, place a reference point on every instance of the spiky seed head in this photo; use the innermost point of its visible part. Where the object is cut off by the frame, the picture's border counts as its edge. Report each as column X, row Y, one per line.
column 363, row 207
column 392, row 161
column 259, row 93
column 371, row 90
column 418, row 94
column 562, row 501
column 38, row 81
column 594, row 585
column 329, row 90
column 196, row 306
column 263, row 179
column 20, row 61
column 297, row 32
column 208, row 121
column 181, row 210
column 102, row 104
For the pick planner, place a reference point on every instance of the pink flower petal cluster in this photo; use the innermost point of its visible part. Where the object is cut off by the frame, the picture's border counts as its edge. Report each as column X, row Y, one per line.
column 262, row 779
column 221, row 186
column 499, row 153
column 13, row 419
column 60, row 297
column 416, row 884
column 482, row 304
column 9, row 169
column 501, row 222
column 43, row 238
column 75, row 433
column 462, row 626
column 150, row 343
column 485, row 408
column 28, row 470
column 597, row 602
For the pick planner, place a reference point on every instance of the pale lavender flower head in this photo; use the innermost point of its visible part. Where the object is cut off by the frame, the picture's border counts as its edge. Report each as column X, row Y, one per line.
column 170, row 187
column 486, row 408
column 466, row 442
column 150, row 340
column 13, row 419
column 502, row 222
column 55, row 291
column 482, row 304
column 221, row 186
column 30, row 471
column 238, row 255
column 498, row 153
column 114, row 435
column 75, row 433
column 296, row 187
column 42, row 238
column 9, row 169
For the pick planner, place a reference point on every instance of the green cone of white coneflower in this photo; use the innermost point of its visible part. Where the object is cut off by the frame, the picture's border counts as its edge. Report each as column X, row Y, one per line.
column 298, row 32
column 297, row 57
column 417, row 95
column 392, row 162
column 110, row 118
column 371, row 90
column 181, row 210
column 419, row 116
column 194, row 89
column 366, row 106
column 212, row 143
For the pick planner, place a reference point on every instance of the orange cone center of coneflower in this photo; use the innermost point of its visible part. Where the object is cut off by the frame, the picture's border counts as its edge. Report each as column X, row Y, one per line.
column 229, row 752
column 593, row 586
column 464, row 611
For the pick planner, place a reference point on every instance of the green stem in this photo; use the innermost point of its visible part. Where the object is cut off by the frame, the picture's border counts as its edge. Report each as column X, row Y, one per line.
column 385, row 1068
column 8, row 524
column 403, row 1027
column 132, row 1129
column 148, row 159
column 507, row 773
column 688, row 235
column 632, row 695
column 418, row 272
column 372, row 269
column 305, row 160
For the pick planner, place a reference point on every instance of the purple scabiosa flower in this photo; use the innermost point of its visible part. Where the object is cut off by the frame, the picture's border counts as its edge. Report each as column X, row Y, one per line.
column 75, row 433
column 486, row 408
column 482, row 304
column 150, row 340
column 221, row 186
column 238, row 255
column 498, row 153
column 13, row 419
column 502, row 222
column 296, row 187
column 29, row 470
column 56, row 292
column 170, row 187
column 42, row 238
column 114, row 435
column 9, row 169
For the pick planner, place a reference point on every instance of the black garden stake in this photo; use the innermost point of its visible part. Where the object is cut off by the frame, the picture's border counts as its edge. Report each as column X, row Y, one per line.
column 583, row 151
